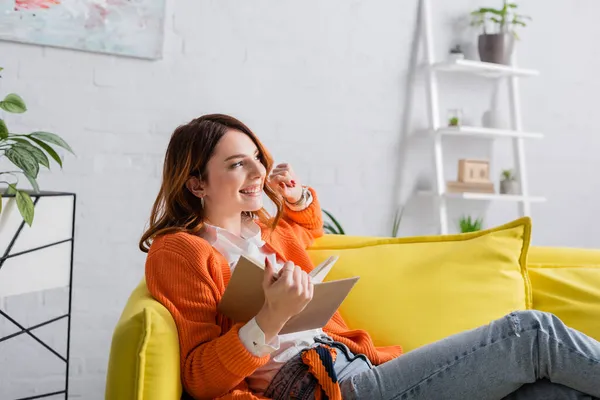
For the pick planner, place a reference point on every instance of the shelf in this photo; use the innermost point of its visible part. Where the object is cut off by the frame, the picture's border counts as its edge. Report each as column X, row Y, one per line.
column 487, row 196
column 486, row 132
column 485, row 69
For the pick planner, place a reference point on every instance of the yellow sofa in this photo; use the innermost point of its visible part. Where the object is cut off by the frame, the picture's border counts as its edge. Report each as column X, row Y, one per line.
column 412, row 291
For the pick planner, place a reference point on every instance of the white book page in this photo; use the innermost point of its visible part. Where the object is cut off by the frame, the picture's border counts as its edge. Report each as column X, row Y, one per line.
column 320, row 272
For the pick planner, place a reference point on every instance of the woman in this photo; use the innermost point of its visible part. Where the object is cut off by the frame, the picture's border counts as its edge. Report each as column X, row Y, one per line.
column 209, row 211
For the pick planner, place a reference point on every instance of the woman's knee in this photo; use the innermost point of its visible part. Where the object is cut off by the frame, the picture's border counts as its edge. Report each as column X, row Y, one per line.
column 531, row 319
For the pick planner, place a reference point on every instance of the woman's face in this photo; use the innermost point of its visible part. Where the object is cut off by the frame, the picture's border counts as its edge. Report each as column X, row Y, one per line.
column 235, row 176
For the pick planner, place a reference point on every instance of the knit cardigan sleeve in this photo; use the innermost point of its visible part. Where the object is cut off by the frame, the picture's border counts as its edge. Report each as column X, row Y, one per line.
column 212, row 364
column 307, row 224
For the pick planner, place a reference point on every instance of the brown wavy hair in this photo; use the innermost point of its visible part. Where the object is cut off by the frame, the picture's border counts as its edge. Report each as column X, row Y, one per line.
column 176, row 209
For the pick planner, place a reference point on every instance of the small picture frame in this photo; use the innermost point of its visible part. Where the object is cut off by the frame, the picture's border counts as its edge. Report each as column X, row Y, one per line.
column 473, row 171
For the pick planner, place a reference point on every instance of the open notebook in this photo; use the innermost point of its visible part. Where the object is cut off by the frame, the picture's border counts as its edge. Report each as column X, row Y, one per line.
column 244, row 296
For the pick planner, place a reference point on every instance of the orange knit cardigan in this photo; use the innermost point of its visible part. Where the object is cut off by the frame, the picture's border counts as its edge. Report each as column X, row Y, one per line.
column 188, row 276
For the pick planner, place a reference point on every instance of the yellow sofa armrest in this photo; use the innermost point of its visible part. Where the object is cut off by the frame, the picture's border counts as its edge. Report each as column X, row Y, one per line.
column 144, row 355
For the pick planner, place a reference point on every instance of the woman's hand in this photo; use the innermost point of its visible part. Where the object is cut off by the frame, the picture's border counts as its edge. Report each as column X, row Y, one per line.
column 285, row 296
column 283, row 180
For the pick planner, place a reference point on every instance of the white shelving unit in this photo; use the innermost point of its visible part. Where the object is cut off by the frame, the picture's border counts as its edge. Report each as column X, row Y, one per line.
column 508, row 74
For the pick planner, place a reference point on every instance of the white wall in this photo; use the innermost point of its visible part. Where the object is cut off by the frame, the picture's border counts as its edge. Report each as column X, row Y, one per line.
column 322, row 84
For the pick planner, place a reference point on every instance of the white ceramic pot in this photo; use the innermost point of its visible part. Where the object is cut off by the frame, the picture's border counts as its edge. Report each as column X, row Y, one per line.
column 509, row 187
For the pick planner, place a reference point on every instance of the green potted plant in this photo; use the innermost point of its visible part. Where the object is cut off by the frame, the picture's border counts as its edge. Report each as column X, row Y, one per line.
column 508, row 182
column 27, row 152
column 456, row 53
column 454, row 117
column 496, row 46
column 468, row 224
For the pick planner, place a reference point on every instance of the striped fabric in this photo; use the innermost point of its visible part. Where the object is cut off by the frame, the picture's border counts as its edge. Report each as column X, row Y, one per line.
column 320, row 362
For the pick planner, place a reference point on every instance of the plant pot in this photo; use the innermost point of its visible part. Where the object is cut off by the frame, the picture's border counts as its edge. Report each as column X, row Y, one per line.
column 453, row 57
column 496, row 48
column 509, row 187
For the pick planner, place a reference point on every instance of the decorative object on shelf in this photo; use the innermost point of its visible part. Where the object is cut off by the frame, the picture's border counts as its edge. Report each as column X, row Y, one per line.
column 492, row 119
column 27, row 153
column 497, row 47
column 35, row 259
column 473, row 176
column 508, row 183
column 468, row 224
column 455, row 117
column 473, row 171
column 332, row 226
column 456, row 53
column 127, row 28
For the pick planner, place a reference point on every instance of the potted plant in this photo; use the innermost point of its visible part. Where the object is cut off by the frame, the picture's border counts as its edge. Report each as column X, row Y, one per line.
column 456, row 53
column 454, row 117
column 468, row 224
column 497, row 46
column 27, row 152
column 508, row 183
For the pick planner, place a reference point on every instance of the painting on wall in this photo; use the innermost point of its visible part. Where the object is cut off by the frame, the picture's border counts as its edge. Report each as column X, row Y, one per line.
column 123, row 27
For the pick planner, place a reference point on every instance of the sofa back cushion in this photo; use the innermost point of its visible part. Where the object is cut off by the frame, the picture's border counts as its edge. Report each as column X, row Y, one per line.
column 566, row 282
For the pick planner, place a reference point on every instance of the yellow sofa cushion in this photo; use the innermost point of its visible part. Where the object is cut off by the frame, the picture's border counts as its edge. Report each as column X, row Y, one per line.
column 416, row 290
column 566, row 282
column 144, row 355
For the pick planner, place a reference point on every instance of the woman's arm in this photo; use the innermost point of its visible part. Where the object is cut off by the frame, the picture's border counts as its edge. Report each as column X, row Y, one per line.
column 301, row 212
column 307, row 222
column 212, row 365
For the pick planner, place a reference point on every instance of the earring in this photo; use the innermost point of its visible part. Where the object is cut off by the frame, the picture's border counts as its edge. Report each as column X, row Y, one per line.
column 202, row 202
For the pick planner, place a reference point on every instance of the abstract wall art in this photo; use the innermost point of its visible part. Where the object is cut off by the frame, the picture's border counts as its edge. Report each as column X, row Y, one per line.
column 122, row 27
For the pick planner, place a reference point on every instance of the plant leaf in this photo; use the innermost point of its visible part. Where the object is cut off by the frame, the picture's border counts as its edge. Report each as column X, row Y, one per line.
column 330, row 229
column 39, row 155
column 13, row 103
column 48, row 149
column 3, row 130
column 52, row 138
column 23, row 159
column 26, row 207
column 491, row 11
column 33, row 183
column 335, row 222
column 397, row 220
column 12, row 189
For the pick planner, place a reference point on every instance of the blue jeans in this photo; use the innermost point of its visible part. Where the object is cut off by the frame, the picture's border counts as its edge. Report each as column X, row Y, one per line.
column 525, row 355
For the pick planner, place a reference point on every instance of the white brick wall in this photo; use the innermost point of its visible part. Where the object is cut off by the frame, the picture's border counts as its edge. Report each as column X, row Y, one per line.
column 322, row 83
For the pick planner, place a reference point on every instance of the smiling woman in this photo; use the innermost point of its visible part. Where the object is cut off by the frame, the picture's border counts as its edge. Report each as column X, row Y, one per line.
column 207, row 214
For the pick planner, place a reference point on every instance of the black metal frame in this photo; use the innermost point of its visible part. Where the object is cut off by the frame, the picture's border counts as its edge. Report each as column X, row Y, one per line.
column 29, row 330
